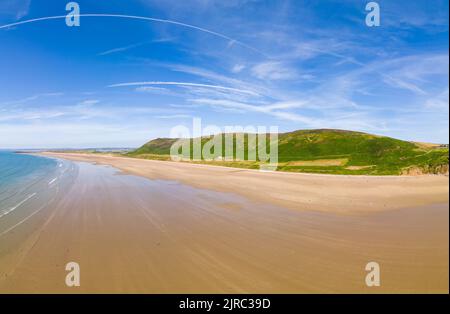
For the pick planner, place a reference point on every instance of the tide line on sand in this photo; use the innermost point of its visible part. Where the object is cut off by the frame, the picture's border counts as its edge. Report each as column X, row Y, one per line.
column 6, row 212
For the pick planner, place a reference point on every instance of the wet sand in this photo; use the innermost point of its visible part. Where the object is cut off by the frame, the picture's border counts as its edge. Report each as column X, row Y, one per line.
column 131, row 234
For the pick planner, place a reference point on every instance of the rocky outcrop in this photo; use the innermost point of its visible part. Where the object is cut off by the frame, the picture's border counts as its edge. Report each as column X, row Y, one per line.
column 417, row 171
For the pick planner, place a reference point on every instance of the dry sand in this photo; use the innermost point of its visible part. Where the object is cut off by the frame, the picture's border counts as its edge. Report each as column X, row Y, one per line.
column 231, row 230
column 328, row 193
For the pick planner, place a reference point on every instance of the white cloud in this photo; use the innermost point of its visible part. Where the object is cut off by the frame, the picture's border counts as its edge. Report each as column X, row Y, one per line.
column 72, row 135
column 120, row 49
column 288, row 105
column 439, row 102
column 150, row 89
column 89, row 102
column 188, row 84
column 273, row 71
column 29, row 115
column 174, row 116
column 213, row 76
column 414, row 73
column 399, row 83
column 238, row 68
column 265, row 109
column 16, row 8
column 31, row 98
column 355, row 121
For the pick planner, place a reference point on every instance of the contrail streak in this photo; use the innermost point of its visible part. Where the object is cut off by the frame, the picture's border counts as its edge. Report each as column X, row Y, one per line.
column 135, row 17
column 242, row 91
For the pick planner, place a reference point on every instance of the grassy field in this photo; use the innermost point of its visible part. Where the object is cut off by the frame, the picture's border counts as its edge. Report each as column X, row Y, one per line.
column 329, row 152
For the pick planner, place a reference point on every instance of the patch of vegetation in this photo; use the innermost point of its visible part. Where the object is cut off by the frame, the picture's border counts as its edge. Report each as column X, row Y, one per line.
column 160, row 146
column 312, row 150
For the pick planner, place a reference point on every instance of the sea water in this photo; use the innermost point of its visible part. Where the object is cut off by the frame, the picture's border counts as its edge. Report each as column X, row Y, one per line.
column 19, row 172
column 27, row 184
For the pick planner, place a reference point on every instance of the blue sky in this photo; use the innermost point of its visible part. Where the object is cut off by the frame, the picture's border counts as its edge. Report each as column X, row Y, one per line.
column 115, row 82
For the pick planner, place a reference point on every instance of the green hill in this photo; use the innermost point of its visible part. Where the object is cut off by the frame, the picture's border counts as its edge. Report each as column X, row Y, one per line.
column 332, row 152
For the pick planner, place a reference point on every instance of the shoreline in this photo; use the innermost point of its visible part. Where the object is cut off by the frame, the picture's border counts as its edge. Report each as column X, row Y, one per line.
column 84, row 154
column 344, row 194
column 21, row 227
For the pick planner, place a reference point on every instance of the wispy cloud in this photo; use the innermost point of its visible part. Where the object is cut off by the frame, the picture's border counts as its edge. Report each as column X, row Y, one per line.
column 215, row 77
column 352, row 122
column 272, row 110
column 24, row 9
column 439, row 102
column 120, row 49
column 150, row 89
column 237, row 68
column 89, row 102
column 188, row 84
column 274, row 71
column 136, row 45
column 15, row 8
column 174, row 116
column 30, row 115
column 142, row 18
column 30, row 98
column 284, row 62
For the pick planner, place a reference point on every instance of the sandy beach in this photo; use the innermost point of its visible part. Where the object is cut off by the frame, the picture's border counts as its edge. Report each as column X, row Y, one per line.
column 328, row 193
column 161, row 227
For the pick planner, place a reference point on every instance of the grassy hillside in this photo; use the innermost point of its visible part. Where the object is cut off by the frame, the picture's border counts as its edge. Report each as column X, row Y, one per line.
column 333, row 152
